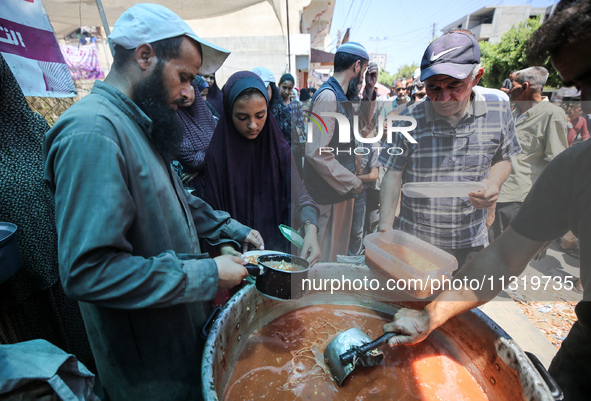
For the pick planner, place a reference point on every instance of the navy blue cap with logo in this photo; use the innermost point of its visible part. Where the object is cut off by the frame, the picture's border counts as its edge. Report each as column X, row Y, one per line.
column 454, row 54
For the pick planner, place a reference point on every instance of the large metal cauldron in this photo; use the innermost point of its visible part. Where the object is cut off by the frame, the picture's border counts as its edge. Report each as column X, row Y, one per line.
column 495, row 361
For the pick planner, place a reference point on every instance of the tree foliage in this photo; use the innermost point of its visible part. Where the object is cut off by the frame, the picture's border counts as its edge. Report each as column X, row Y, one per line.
column 405, row 71
column 385, row 78
column 500, row 59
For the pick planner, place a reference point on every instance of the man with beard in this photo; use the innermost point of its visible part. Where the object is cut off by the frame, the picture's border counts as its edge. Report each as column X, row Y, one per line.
column 128, row 231
column 329, row 166
column 461, row 136
column 559, row 201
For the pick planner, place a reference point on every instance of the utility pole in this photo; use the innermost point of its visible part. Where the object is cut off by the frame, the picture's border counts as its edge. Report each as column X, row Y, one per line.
column 101, row 10
column 433, row 37
column 377, row 41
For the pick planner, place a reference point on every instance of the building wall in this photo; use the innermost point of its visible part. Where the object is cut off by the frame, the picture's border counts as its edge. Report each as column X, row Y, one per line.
column 249, row 52
column 507, row 17
column 380, row 59
column 256, row 38
column 504, row 19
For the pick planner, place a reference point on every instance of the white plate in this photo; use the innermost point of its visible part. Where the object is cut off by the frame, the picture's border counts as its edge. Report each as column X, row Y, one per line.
column 259, row 253
column 445, row 189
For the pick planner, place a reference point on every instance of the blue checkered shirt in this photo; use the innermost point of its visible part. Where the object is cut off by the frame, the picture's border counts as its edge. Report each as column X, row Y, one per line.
column 483, row 137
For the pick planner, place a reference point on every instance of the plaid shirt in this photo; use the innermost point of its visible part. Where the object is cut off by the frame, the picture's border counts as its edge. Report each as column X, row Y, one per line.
column 483, row 137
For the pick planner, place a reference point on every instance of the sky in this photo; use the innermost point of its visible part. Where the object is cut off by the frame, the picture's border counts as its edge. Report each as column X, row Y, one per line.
column 403, row 28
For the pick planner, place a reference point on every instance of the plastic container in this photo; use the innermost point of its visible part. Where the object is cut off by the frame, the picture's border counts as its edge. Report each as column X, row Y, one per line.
column 10, row 256
column 416, row 282
column 441, row 189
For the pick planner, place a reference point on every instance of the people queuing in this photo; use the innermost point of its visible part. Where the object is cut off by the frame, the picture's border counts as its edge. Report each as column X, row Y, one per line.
column 203, row 89
column 297, row 128
column 541, row 130
column 330, row 175
column 198, row 126
column 214, row 94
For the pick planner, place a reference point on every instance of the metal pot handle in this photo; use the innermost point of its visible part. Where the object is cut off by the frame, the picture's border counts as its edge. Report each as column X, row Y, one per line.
column 254, row 270
column 552, row 385
column 207, row 326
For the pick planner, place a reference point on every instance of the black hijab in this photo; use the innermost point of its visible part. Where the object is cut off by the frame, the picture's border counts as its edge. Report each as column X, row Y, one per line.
column 215, row 97
column 250, row 179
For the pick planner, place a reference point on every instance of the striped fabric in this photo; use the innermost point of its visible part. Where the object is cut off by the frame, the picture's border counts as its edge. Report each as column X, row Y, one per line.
column 484, row 136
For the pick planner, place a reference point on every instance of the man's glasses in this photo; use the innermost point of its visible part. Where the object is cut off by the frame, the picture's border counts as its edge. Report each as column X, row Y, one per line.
column 400, row 89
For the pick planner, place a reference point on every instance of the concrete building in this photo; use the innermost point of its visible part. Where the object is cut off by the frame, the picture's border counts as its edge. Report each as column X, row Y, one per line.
column 380, row 59
column 257, row 36
column 491, row 22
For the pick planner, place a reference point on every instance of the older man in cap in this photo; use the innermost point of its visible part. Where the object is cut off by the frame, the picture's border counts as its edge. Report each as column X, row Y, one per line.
column 462, row 136
column 559, row 201
column 128, row 231
column 329, row 165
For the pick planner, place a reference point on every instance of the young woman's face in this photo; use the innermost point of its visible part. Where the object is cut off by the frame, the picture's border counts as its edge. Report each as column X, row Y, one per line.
column 285, row 88
column 249, row 115
column 210, row 79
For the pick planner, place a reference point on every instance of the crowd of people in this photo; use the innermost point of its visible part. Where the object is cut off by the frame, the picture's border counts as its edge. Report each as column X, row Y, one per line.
column 160, row 180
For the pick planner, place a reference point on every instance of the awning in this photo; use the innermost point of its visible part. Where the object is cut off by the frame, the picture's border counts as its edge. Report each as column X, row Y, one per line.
column 321, row 57
column 68, row 15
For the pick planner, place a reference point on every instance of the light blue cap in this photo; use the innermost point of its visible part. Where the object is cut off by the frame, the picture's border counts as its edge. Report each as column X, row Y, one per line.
column 149, row 23
column 353, row 48
column 265, row 74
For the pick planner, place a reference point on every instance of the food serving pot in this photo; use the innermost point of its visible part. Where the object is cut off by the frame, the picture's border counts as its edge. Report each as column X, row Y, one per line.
column 496, row 362
column 277, row 283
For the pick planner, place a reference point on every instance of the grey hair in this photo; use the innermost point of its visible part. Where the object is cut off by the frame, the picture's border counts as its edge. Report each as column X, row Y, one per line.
column 475, row 70
column 535, row 76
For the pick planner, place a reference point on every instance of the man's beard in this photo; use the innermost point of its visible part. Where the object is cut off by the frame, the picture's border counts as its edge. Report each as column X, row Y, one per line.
column 353, row 88
column 152, row 97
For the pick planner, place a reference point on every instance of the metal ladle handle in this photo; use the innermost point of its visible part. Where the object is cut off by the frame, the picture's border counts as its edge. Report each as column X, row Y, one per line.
column 348, row 356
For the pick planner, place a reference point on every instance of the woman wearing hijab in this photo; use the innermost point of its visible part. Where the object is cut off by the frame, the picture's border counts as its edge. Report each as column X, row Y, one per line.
column 249, row 167
column 214, row 95
column 203, row 88
column 33, row 304
column 199, row 124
